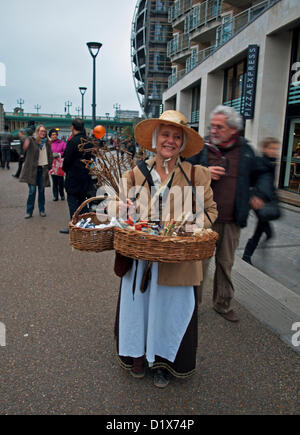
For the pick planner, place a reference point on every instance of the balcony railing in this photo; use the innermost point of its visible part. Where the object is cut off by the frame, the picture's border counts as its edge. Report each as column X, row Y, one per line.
column 238, row 22
column 202, row 14
column 181, row 42
column 173, row 78
column 225, row 32
column 180, row 7
column 195, row 60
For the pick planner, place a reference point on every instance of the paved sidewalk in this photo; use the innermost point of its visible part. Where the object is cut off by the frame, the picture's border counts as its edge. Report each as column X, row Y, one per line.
column 58, row 308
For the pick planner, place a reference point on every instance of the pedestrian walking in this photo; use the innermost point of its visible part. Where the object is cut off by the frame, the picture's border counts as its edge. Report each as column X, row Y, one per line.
column 21, row 137
column 264, row 200
column 158, row 323
column 35, row 171
column 5, row 141
column 57, row 174
column 78, row 180
column 231, row 162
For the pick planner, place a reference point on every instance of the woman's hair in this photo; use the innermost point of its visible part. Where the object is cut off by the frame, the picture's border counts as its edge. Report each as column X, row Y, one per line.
column 267, row 141
column 36, row 134
column 234, row 119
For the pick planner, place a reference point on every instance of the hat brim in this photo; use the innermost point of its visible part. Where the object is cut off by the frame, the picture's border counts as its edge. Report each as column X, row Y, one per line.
column 144, row 130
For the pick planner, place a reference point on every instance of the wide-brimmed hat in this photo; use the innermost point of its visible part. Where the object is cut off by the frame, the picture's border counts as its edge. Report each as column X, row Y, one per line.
column 144, row 131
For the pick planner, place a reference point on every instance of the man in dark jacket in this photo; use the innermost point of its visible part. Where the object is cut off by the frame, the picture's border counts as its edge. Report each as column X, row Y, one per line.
column 5, row 141
column 78, row 181
column 231, row 162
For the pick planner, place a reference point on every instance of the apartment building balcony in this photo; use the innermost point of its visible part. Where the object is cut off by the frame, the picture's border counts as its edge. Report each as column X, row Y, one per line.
column 178, row 47
column 175, row 77
column 224, row 33
column 203, row 21
column 199, row 57
column 177, row 12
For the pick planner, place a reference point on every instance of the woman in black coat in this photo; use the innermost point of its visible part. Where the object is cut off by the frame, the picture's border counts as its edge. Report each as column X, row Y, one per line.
column 263, row 192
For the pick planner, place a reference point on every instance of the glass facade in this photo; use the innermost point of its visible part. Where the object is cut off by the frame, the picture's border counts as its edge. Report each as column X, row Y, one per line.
column 150, row 65
column 290, row 162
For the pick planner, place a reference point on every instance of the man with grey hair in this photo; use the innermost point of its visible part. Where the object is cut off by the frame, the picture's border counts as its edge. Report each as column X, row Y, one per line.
column 231, row 162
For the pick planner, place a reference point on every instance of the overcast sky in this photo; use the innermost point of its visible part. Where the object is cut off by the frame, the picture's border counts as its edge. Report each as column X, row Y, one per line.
column 43, row 48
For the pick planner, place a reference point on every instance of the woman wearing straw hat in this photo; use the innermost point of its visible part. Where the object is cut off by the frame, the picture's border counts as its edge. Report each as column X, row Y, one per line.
column 156, row 319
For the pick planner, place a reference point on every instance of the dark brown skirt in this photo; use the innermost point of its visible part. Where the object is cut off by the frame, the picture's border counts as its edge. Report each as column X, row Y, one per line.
column 185, row 361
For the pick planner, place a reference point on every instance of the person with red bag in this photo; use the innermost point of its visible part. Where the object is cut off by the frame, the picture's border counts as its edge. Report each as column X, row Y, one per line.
column 57, row 174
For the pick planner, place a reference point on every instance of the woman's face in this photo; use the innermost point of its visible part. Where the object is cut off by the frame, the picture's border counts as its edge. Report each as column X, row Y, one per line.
column 42, row 132
column 169, row 141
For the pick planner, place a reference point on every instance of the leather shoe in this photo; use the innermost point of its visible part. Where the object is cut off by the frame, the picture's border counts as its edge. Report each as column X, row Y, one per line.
column 65, row 231
column 161, row 378
column 230, row 316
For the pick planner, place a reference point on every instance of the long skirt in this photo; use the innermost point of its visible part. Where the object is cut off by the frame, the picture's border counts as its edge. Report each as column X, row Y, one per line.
column 161, row 323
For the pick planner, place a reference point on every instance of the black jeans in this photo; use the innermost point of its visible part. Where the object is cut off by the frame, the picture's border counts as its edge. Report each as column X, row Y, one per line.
column 58, row 185
column 5, row 157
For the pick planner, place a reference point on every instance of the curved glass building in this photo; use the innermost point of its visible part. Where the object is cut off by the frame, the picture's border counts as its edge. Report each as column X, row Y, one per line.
column 150, row 65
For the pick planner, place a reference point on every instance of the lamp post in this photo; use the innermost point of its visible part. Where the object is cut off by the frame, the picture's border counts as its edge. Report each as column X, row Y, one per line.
column 68, row 104
column 82, row 91
column 37, row 108
column 94, row 48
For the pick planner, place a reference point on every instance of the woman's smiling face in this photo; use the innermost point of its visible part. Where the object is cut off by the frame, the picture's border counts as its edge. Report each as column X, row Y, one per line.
column 169, row 141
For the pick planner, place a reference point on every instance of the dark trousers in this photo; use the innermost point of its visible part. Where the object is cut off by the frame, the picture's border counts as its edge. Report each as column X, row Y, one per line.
column 5, row 157
column 58, row 185
column 74, row 201
column 17, row 174
column 261, row 227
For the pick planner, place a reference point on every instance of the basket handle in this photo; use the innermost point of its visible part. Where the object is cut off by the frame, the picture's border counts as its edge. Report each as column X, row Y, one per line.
column 94, row 198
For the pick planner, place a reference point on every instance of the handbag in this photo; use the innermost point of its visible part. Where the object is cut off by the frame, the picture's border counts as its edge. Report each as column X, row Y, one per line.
column 57, row 167
column 269, row 212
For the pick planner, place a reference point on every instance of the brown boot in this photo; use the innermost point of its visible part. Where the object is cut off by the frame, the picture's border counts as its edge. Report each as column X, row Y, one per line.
column 138, row 368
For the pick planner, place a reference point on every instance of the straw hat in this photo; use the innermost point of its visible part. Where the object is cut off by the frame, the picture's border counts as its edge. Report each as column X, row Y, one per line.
column 144, row 130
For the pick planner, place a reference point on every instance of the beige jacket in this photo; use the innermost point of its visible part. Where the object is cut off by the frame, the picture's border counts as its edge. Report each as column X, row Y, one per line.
column 181, row 274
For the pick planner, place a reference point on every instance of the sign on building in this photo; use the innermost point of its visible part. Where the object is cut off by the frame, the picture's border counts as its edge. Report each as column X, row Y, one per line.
column 251, row 78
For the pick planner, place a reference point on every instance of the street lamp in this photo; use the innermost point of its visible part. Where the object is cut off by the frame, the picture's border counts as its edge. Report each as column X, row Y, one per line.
column 82, row 91
column 94, row 48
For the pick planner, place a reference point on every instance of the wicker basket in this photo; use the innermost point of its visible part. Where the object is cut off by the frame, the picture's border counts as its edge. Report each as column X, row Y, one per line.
column 164, row 249
column 90, row 239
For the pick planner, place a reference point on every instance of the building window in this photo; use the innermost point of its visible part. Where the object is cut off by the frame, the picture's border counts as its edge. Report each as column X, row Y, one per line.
column 195, row 105
column 290, row 162
column 234, row 81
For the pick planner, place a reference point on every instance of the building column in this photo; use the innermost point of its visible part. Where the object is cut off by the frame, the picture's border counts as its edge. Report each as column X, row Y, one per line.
column 271, row 90
column 211, row 96
column 184, row 103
